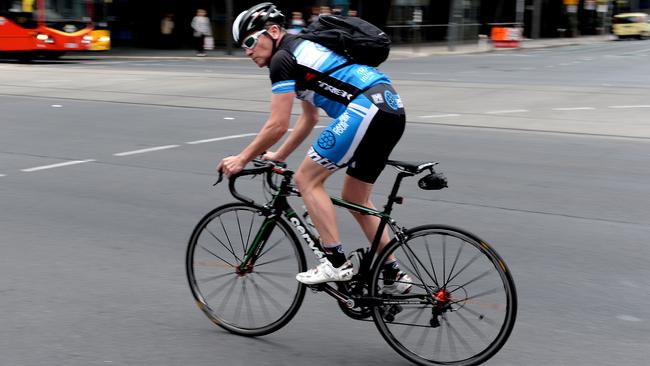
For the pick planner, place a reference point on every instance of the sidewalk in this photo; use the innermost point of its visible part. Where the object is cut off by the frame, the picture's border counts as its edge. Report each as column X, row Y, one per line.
column 398, row 51
column 408, row 51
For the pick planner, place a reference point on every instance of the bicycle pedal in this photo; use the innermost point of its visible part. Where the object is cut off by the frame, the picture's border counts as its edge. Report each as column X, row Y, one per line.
column 317, row 287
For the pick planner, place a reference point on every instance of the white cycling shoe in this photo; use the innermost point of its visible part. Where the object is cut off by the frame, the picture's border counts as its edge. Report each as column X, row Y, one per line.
column 402, row 285
column 326, row 272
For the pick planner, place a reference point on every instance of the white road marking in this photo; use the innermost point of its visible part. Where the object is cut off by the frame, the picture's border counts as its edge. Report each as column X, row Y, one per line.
column 221, row 138
column 59, row 165
column 440, row 115
column 628, row 318
column 3, row 175
column 508, row 111
column 56, row 106
column 157, row 148
column 574, row 109
column 628, row 106
column 638, row 51
column 229, row 118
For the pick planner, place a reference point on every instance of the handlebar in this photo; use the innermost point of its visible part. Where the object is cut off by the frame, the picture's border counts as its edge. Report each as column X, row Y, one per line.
column 267, row 167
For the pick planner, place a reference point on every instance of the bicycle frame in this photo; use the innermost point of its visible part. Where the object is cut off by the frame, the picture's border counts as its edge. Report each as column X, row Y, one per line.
column 279, row 205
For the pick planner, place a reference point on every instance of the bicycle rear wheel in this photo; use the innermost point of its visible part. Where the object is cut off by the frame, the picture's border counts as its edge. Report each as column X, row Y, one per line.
column 254, row 299
column 462, row 305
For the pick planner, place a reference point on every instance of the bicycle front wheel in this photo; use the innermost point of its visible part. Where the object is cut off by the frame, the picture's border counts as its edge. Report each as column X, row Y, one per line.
column 248, row 298
column 462, row 304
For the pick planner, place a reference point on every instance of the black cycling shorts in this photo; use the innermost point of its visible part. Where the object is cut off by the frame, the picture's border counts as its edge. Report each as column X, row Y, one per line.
column 364, row 135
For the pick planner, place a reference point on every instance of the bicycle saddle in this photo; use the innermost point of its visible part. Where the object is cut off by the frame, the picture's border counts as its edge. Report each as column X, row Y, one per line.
column 413, row 167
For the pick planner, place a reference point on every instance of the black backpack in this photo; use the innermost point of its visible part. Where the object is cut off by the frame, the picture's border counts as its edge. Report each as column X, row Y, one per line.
column 359, row 41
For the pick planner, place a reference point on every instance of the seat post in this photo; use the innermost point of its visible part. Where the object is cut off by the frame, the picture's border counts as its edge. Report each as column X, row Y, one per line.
column 388, row 208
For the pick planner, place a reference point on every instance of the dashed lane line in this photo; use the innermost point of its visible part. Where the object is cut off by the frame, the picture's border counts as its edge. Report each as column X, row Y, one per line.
column 628, row 106
column 440, row 115
column 574, row 109
column 508, row 111
column 220, row 138
column 141, row 151
column 59, row 165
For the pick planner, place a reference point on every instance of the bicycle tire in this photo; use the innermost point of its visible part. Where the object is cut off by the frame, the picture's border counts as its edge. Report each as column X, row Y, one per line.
column 214, row 253
column 478, row 319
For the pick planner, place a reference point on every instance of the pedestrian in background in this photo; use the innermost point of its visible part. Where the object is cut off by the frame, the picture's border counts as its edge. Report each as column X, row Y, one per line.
column 167, row 31
column 315, row 13
column 202, row 29
column 297, row 23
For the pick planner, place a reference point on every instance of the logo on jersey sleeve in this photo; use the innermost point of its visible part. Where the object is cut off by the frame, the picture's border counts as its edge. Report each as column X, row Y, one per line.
column 377, row 98
column 392, row 100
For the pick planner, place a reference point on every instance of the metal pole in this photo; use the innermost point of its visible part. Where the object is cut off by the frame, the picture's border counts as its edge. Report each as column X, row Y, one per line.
column 537, row 19
column 519, row 13
column 229, row 20
column 451, row 29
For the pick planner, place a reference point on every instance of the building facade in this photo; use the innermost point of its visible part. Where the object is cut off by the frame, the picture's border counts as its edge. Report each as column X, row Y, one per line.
column 138, row 23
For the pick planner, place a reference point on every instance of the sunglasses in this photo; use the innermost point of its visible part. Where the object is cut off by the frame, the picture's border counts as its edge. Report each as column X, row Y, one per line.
column 251, row 41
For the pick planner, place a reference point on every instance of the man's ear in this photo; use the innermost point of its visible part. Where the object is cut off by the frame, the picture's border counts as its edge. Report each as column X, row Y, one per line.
column 274, row 31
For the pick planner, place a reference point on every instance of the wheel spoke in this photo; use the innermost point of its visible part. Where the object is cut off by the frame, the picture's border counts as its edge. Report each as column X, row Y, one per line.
column 227, row 297
column 286, row 257
column 415, row 266
column 453, row 266
column 241, row 235
column 250, row 230
column 266, row 294
column 232, row 250
column 477, row 256
column 482, row 275
column 218, row 289
column 270, row 247
column 212, row 278
column 473, row 327
column 216, row 255
column 260, row 297
column 433, row 268
column 274, row 283
column 224, row 245
column 444, row 257
column 478, row 315
column 458, row 336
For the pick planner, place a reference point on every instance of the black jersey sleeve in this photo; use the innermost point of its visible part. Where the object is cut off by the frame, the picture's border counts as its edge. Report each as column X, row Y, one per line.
column 282, row 71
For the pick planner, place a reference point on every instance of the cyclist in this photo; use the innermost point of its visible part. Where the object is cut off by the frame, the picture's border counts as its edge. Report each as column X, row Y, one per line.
column 368, row 120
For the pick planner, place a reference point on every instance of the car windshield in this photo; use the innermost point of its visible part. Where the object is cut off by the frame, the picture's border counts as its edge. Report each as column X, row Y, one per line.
column 628, row 19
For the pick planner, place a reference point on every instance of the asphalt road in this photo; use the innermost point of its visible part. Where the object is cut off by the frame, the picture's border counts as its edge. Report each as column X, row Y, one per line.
column 106, row 165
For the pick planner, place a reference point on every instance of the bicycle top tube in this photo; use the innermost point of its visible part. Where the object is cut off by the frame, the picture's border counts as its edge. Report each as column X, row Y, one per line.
column 271, row 169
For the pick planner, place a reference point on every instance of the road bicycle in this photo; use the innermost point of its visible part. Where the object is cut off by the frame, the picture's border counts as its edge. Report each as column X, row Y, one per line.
column 242, row 259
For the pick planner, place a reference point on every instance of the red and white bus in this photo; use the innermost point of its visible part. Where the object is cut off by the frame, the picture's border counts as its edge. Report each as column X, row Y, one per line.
column 36, row 28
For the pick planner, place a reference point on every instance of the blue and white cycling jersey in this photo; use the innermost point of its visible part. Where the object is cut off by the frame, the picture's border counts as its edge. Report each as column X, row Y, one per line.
column 304, row 67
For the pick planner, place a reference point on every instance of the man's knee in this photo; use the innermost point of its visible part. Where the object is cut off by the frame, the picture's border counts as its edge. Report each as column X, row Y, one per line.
column 305, row 181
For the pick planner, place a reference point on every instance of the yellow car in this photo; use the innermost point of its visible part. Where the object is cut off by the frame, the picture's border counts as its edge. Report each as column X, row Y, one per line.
column 101, row 40
column 631, row 25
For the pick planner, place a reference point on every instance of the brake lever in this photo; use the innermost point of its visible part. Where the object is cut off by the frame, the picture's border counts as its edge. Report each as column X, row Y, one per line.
column 220, row 178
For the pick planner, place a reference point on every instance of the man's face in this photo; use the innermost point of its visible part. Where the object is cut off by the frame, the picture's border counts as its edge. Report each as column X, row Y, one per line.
column 262, row 52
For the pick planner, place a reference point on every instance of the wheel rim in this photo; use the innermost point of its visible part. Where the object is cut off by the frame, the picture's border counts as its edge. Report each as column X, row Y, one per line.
column 244, row 297
column 470, row 303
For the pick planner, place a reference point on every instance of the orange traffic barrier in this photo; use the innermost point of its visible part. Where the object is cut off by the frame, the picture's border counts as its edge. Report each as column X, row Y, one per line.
column 506, row 37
